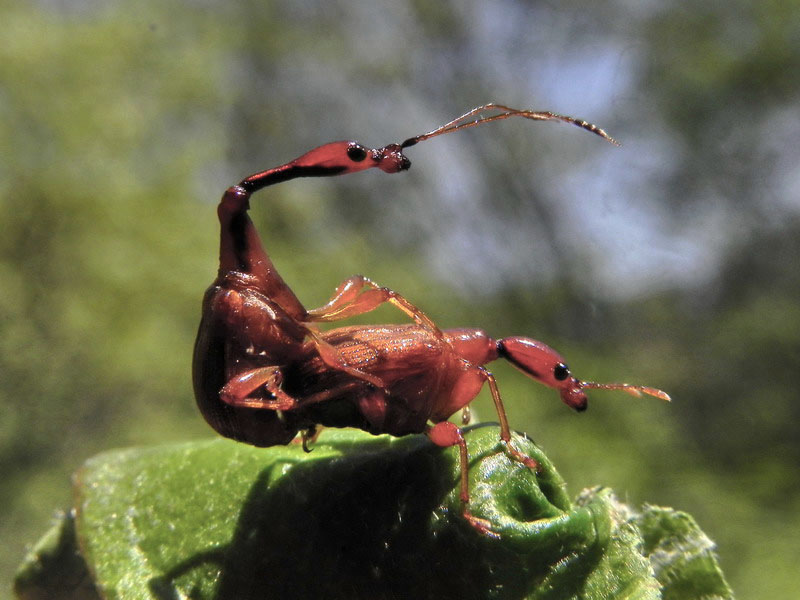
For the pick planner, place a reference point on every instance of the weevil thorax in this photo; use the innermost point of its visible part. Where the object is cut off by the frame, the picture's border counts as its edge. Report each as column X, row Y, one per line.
column 460, row 382
column 472, row 345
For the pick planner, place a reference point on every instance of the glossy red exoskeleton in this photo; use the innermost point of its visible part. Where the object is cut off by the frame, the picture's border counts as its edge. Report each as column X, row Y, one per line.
column 264, row 372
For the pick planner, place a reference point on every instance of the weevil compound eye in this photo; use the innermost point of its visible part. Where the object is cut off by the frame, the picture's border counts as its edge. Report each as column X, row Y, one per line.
column 561, row 372
column 356, row 152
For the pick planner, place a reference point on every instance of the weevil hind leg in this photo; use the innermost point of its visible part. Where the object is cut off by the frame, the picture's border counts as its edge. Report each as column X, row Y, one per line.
column 332, row 358
column 357, row 295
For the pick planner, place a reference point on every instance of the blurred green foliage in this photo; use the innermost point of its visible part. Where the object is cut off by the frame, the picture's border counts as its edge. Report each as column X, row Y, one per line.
column 122, row 123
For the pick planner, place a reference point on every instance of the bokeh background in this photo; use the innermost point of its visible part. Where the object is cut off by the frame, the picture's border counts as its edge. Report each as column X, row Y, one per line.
column 672, row 261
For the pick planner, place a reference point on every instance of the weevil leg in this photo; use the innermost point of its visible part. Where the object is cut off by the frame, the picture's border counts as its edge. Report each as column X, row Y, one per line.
column 237, row 390
column 308, row 437
column 357, row 295
column 445, row 434
column 331, row 357
column 505, row 430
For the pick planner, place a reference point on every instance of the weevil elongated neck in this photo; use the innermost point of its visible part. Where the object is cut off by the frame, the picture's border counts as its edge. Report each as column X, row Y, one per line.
column 241, row 251
column 287, row 172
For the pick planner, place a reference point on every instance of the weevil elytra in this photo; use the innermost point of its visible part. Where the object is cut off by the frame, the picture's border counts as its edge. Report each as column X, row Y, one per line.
column 264, row 372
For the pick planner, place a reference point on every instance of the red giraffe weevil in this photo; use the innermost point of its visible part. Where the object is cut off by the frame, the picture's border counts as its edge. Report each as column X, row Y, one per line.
column 264, row 372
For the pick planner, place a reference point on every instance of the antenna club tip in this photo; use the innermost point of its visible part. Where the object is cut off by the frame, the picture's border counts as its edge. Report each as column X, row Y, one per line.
column 656, row 393
column 600, row 132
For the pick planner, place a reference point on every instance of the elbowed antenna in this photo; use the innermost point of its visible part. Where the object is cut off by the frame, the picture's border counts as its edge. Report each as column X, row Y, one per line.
column 462, row 122
column 633, row 390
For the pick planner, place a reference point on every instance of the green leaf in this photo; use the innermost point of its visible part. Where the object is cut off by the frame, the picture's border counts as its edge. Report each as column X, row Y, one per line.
column 369, row 517
column 54, row 568
column 682, row 555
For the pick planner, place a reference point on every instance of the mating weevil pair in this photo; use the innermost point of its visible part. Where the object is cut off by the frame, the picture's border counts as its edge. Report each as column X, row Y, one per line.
column 264, row 372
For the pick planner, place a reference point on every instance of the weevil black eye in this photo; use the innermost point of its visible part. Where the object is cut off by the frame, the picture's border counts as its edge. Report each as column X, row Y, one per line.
column 356, row 152
column 561, row 372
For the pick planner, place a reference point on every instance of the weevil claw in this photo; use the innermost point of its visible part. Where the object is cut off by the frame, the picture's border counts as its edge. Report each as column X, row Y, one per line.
column 483, row 526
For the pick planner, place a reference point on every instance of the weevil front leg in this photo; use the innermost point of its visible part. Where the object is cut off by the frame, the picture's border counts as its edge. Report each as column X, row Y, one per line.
column 505, row 430
column 445, row 435
column 469, row 384
column 357, row 295
column 237, row 390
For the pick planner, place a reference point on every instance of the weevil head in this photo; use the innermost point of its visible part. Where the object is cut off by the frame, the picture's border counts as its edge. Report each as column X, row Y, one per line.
column 338, row 158
column 335, row 158
column 540, row 362
column 545, row 365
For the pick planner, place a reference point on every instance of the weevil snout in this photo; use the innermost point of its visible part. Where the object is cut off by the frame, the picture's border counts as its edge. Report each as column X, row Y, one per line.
column 575, row 398
column 391, row 159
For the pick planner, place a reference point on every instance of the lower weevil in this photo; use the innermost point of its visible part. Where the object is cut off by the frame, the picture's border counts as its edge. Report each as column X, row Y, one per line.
column 263, row 371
